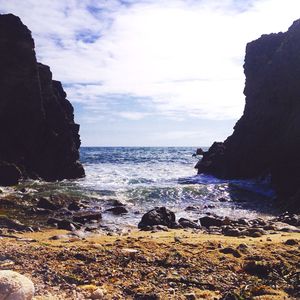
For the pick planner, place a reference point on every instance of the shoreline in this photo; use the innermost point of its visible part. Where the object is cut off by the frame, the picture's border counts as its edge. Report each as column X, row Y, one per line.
column 178, row 264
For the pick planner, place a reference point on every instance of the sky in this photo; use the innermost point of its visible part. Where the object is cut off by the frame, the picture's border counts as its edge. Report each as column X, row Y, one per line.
column 151, row 72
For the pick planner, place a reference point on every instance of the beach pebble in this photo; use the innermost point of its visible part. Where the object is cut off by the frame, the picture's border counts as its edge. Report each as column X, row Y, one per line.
column 98, row 294
column 14, row 286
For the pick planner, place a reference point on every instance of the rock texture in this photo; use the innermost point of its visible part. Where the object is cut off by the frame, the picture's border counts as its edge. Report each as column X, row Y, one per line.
column 37, row 130
column 266, row 140
column 14, row 286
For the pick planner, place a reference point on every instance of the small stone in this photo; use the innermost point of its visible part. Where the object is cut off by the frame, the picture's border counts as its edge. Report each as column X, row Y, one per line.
column 190, row 296
column 14, row 286
column 291, row 242
column 98, row 294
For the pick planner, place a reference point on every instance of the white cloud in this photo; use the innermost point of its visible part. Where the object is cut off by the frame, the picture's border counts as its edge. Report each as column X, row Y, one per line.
column 132, row 115
column 185, row 56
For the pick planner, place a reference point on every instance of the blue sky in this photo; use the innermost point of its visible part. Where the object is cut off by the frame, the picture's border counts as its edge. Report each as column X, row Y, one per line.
column 149, row 72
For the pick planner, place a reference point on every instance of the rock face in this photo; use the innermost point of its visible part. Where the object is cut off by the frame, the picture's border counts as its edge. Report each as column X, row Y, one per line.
column 37, row 130
column 266, row 140
column 14, row 286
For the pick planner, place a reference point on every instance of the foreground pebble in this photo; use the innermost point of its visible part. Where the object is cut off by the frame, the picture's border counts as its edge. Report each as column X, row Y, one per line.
column 14, row 286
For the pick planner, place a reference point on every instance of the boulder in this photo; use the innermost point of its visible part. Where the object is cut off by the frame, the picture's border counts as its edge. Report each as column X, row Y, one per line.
column 14, row 286
column 208, row 221
column 158, row 216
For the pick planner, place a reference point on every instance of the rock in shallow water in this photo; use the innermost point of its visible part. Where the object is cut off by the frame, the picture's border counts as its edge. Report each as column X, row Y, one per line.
column 14, row 286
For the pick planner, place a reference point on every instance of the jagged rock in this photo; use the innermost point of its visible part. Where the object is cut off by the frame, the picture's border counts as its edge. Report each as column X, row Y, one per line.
column 266, row 140
column 158, row 216
column 37, row 130
column 14, row 286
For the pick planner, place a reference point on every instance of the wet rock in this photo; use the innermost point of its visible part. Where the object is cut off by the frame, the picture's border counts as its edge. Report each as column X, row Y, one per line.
column 208, row 221
column 74, row 206
column 280, row 226
column 199, row 151
column 158, row 216
column 230, row 250
column 63, row 224
column 117, row 203
column 186, row 223
column 222, row 199
column 41, row 211
column 243, row 221
column 118, row 210
column 192, row 208
column 14, row 286
column 291, row 219
column 10, row 174
column 84, row 218
column 46, row 203
column 13, row 224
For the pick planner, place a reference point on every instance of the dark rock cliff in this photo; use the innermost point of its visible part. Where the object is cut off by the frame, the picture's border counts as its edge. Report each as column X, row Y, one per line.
column 37, row 130
column 266, row 140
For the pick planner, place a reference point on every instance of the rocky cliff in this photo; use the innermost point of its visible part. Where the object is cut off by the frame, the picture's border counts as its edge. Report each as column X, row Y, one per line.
column 266, row 140
column 39, row 138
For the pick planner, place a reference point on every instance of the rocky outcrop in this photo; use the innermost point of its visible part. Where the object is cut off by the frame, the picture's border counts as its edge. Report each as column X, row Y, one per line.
column 266, row 140
column 37, row 130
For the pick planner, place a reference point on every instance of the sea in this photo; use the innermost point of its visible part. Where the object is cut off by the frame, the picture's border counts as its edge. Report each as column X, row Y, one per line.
column 146, row 177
